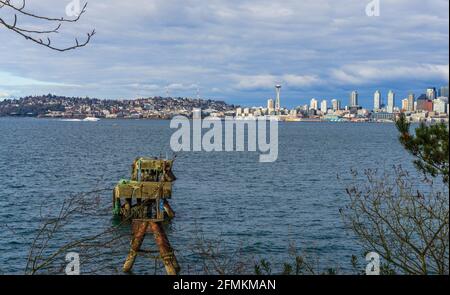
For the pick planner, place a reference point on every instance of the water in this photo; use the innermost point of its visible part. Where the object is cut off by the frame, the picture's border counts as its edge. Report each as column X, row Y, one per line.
column 261, row 208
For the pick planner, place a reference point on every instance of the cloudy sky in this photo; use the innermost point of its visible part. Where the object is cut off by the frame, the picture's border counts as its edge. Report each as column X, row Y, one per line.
column 234, row 50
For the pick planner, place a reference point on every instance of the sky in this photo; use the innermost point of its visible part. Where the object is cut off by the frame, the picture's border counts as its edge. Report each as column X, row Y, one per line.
column 233, row 50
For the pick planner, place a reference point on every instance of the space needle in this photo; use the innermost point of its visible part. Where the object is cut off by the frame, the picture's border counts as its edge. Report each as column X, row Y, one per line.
column 277, row 102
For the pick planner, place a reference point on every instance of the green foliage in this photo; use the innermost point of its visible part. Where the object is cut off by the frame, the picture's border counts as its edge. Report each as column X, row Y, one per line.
column 429, row 145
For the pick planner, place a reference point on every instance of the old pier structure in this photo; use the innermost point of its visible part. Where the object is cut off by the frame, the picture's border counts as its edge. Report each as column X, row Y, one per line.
column 144, row 201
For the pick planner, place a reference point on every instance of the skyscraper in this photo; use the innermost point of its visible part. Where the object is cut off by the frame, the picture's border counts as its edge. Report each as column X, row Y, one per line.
column 314, row 104
column 440, row 105
column 270, row 105
column 431, row 93
column 354, row 99
column 411, row 100
column 377, row 101
column 390, row 101
column 405, row 104
column 336, row 104
column 324, row 106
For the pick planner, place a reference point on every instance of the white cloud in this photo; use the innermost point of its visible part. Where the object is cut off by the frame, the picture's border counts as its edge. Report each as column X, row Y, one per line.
column 8, row 79
column 145, row 86
column 379, row 71
column 301, row 81
column 229, row 46
column 247, row 82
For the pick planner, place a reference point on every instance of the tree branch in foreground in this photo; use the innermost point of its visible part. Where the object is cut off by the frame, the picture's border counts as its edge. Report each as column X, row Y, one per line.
column 40, row 36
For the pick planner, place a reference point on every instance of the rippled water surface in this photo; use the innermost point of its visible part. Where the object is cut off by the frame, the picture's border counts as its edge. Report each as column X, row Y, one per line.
column 259, row 207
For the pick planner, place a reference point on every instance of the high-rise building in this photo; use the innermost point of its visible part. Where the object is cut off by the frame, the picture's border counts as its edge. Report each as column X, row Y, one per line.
column 411, row 100
column 377, row 101
column 390, row 101
column 336, row 104
column 324, row 106
column 270, row 105
column 354, row 99
column 443, row 92
column 440, row 105
column 431, row 93
column 405, row 104
column 314, row 104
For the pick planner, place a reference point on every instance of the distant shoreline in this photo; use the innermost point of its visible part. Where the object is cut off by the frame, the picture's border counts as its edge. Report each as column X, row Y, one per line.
column 168, row 119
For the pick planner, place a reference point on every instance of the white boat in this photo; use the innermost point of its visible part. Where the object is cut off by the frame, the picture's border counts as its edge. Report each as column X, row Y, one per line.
column 70, row 120
column 91, row 119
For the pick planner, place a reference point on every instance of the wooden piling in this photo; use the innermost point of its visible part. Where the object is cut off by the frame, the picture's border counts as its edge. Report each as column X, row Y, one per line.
column 165, row 250
column 136, row 243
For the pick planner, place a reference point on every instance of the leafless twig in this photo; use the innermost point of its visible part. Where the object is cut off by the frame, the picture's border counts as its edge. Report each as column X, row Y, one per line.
column 40, row 36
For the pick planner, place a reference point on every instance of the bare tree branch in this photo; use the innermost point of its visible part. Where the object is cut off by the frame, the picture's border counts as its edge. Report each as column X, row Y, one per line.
column 39, row 36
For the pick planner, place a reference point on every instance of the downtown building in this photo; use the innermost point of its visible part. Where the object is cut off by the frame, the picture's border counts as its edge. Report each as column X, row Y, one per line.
column 354, row 99
column 390, row 101
column 324, row 106
column 411, row 102
column 377, row 101
column 336, row 104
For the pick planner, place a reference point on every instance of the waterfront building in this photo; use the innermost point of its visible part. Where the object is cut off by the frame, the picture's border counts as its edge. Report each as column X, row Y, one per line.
column 390, row 101
column 336, row 104
column 324, row 106
column 383, row 116
column 411, row 102
column 314, row 104
column 377, row 101
column 246, row 111
column 354, row 98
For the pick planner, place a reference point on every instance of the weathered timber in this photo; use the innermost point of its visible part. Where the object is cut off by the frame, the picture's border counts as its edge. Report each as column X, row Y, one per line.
column 165, row 250
column 136, row 244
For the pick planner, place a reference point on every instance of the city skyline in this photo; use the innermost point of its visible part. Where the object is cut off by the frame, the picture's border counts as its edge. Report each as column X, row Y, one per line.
column 324, row 49
column 389, row 100
column 354, row 96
